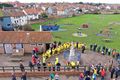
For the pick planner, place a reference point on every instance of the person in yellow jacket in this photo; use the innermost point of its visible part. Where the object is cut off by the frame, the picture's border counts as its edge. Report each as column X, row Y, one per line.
column 56, row 61
column 73, row 64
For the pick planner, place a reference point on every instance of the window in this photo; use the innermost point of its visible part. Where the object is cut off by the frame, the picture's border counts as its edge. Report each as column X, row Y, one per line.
column 33, row 44
column 8, row 24
column 39, row 44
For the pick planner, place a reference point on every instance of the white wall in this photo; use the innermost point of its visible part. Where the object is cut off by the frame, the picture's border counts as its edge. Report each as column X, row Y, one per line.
column 19, row 21
column 33, row 16
column 60, row 13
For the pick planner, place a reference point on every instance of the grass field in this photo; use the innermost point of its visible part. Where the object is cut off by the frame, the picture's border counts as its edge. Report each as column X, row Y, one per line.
column 96, row 24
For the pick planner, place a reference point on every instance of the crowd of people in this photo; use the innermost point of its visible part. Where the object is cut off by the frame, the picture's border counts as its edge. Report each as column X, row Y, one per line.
column 23, row 76
column 105, row 50
column 91, row 72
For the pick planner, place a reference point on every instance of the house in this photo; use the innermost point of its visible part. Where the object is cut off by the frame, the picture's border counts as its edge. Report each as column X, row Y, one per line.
column 51, row 11
column 61, row 11
column 5, row 22
column 24, row 41
column 17, row 16
column 31, row 13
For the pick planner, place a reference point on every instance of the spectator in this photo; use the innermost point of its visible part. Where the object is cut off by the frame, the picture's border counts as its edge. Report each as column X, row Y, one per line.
column 94, row 77
column 98, row 49
column 98, row 68
column 22, row 67
column 117, row 72
column 83, row 48
column 57, row 77
column 31, row 66
column 112, row 72
column 38, row 65
column 53, row 67
column 94, row 47
column 109, row 51
column 49, row 66
column 78, row 65
column 59, row 43
column 106, row 51
column 102, row 73
column 81, row 77
column 68, row 66
column 77, row 44
column 52, row 76
column 23, row 77
column 44, row 66
column 58, row 66
column 103, row 48
column 117, row 56
column 88, row 78
column 91, row 47
column 33, row 60
column 13, row 76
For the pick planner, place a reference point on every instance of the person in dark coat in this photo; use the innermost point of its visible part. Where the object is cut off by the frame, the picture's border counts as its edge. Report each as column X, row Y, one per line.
column 13, row 76
column 88, row 78
column 44, row 66
column 23, row 77
column 83, row 48
column 117, row 72
column 103, row 48
column 98, row 49
column 22, row 67
column 106, row 50
column 77, row 45
column 112, row 72
column 59, row 43
column 94, row 47
column 58, row 66
column 38, row 65
column 91, row 47
column 31, row 66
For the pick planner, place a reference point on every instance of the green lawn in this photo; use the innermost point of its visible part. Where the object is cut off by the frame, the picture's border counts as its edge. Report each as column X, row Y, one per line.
column 96, row 24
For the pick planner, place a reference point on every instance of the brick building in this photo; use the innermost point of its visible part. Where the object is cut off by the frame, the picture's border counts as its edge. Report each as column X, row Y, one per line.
column 23, row 42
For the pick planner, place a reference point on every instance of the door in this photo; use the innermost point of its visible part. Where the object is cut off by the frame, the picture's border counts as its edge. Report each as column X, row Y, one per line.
column 8, row 49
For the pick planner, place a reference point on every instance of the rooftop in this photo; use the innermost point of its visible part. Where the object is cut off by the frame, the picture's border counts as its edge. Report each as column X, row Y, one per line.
column 25, row 37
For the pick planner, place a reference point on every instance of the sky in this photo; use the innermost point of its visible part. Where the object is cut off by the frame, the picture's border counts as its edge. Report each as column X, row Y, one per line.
column 95, row 1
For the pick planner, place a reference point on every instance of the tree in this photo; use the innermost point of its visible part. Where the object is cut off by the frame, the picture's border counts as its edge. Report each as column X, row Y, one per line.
column 81, row 3
column 44, row 15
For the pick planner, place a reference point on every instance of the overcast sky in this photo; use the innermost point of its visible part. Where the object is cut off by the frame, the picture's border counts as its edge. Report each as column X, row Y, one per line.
column 95, row 1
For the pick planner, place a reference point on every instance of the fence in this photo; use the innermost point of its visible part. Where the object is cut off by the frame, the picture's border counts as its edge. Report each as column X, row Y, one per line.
column 36, row 69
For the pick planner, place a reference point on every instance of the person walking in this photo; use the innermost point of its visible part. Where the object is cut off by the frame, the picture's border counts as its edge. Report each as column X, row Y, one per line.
column 22, row 67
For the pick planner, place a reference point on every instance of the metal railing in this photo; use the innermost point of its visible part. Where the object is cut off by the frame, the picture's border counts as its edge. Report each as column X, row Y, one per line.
column 42, row 68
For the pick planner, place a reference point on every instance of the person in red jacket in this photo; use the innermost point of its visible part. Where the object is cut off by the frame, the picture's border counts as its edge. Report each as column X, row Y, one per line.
column 103, row 73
